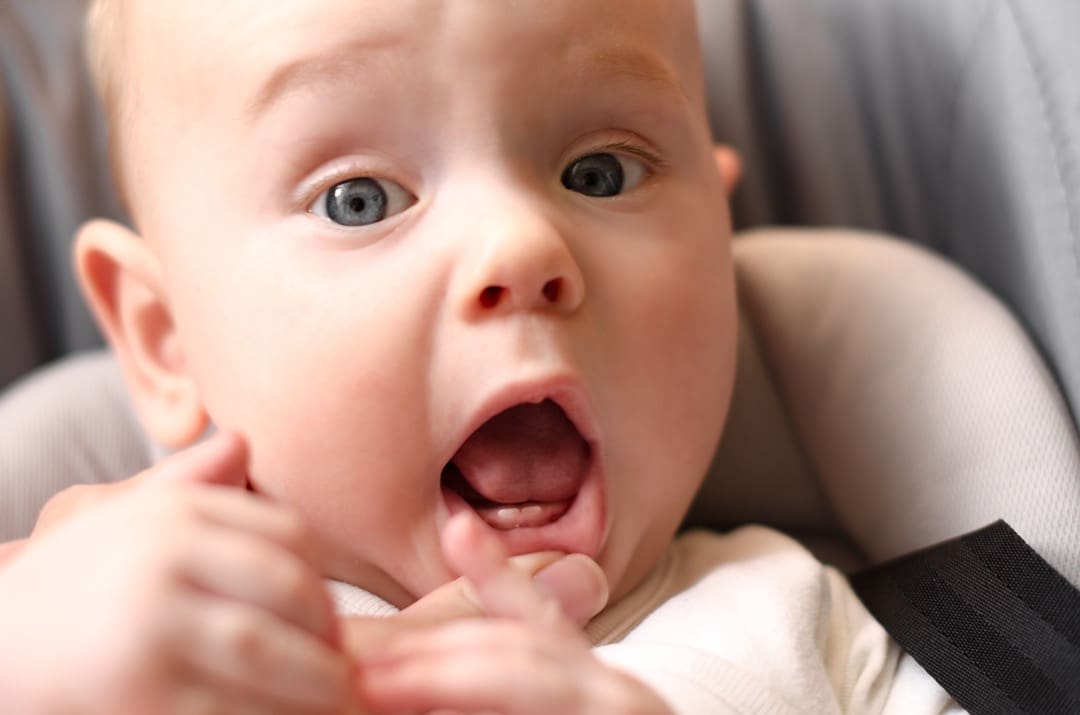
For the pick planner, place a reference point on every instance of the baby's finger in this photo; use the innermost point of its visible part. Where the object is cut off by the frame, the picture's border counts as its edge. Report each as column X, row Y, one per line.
column 501, row 590
column 259, row 658
column 220, row 460
column 244, row 568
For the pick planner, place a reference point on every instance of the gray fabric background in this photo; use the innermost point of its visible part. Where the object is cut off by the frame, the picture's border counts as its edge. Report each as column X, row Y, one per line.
column 955, row 124
column 53, row 175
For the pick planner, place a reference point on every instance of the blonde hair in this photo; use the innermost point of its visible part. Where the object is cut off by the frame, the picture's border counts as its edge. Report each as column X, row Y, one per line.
column 104, row 48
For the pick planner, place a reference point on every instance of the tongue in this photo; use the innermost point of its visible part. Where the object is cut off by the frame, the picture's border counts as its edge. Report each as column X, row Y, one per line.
column 527, row 454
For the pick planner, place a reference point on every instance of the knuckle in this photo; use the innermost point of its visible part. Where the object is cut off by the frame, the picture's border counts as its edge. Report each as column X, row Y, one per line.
column 244, row 637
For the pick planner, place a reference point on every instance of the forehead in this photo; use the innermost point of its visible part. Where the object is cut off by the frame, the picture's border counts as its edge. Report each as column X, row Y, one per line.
column 252, row 42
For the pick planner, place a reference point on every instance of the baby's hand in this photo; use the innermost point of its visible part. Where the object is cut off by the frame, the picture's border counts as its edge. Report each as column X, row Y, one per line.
column 574, row 582
column 172, row 597
column 526, row 657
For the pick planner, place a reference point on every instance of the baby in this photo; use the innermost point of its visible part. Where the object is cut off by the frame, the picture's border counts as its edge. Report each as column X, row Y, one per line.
column 459, row 273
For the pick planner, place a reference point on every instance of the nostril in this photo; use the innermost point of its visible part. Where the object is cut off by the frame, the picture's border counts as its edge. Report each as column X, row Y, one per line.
column 490, row 296
column 552, row 289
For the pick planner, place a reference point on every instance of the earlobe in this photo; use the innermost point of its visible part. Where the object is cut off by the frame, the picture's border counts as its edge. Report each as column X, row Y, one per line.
column 730, row 165
column 123, row 283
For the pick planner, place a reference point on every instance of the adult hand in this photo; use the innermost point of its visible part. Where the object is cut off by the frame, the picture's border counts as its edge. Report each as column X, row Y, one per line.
column 172, row 595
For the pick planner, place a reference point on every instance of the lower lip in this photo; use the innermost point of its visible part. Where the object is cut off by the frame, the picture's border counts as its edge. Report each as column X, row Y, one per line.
column 579, row 531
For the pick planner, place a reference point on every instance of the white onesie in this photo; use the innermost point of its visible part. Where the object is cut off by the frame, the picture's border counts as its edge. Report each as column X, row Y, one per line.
column 748, row 622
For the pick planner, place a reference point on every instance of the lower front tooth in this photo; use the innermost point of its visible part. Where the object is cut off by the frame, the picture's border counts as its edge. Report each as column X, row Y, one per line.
column 531, row 512
column 508, row 517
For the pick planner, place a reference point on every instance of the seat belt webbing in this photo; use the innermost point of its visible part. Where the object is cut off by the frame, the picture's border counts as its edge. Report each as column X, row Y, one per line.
column 987, row 617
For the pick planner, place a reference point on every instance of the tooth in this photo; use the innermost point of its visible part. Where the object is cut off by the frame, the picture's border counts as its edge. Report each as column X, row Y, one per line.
column 509, row 517
column 503, row 518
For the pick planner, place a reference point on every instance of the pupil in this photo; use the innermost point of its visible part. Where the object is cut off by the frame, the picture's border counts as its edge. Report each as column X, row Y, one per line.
column 595, row 175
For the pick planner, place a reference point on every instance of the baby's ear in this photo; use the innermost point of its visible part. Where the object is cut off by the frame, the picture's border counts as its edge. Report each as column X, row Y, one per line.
column 729, row 163
column 122, row 279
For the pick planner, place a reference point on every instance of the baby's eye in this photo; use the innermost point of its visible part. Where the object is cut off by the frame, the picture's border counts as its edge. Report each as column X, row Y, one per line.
column 361, row 202
column 604, row 174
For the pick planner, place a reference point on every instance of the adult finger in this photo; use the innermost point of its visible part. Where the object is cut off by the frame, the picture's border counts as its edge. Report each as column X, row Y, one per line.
column 259, row 657
column 250, row 513
column 453, row 667
column 202, row 697
column 239, row 566
column 220, row 460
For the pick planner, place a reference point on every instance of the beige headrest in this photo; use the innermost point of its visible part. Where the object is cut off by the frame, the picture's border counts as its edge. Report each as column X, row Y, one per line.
column 885, row 395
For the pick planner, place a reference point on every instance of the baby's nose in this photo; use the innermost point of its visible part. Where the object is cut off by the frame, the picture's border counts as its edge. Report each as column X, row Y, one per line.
column 522, row 263
column 491, row 296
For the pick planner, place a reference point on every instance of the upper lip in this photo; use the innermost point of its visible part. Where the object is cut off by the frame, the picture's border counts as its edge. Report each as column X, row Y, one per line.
column 564, row 390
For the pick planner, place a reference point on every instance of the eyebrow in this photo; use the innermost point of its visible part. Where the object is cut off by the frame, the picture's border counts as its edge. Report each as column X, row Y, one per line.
column 340, row 65
column 636, row 65
column 346, row 62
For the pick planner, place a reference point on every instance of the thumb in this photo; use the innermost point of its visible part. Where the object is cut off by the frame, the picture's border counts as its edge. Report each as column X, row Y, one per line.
column 221, row 460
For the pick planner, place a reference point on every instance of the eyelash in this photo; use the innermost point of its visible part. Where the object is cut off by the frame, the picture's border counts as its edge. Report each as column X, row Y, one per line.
column 654, row 160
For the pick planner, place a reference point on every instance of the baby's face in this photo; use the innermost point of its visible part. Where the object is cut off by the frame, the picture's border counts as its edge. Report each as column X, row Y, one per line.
column 439, row 256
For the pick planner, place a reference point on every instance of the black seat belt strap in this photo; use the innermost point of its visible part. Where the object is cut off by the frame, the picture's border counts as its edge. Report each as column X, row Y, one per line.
column 987, row 617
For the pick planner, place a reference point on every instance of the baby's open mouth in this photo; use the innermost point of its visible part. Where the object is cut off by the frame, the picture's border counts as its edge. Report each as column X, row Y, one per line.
column 522, row 468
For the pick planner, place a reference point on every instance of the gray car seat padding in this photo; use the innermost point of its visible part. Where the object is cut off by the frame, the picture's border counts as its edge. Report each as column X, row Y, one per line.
column 53, row 166
column 17, row 327
column 70, row 423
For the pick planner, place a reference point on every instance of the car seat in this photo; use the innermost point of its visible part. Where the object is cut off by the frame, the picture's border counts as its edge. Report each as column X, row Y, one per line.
column 902, row 380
